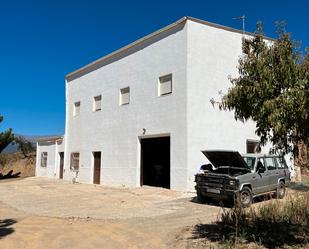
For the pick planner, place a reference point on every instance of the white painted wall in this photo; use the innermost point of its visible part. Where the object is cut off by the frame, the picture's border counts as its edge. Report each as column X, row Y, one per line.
column 49, row 170
column 200, row 58
column 115, row 129
column 212, row 57
column 53, row 159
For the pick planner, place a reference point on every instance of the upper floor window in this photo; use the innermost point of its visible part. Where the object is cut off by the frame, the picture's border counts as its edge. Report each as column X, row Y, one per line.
column 43, row 159
column 74, row 164
column 252, row 146
column 124, row 98
column 76, row 108
column 97, row 100
column 165, row 85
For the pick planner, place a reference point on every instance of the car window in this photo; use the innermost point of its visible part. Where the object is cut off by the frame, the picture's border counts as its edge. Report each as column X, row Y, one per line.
column 250, row 161
column 270, row 163
column 280, row 162
column 260, row 164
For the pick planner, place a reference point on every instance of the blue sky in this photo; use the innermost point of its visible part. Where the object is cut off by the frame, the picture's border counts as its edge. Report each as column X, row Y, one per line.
column 42, row 41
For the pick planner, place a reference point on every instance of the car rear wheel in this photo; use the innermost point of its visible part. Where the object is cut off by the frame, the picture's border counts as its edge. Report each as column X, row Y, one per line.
column 280, row 190
column 245, row 197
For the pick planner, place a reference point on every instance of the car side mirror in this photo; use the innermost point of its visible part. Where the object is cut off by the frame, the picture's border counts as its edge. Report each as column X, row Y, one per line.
column 261, row 170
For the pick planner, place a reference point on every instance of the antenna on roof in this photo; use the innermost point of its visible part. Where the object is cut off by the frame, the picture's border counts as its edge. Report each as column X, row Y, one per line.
column 243, row 18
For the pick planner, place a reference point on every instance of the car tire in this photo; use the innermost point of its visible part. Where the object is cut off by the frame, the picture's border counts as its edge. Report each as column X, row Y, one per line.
column 245, row 197
column 280, row 193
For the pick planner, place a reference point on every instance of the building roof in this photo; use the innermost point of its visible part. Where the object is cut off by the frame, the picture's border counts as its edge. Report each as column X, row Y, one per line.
column 50, row 139
column 91, row 66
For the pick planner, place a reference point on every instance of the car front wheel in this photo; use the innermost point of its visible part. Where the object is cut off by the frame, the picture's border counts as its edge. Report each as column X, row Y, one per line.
column 245, row 197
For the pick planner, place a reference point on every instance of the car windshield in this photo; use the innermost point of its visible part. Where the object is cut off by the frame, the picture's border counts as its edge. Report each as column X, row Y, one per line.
column 250, row 161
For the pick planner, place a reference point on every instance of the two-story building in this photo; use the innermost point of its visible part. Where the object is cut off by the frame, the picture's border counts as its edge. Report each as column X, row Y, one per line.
column 142, row 114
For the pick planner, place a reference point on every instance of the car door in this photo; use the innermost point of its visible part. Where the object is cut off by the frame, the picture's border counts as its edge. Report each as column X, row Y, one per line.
column 260, row 180
column 273, row 173
column 283, row 171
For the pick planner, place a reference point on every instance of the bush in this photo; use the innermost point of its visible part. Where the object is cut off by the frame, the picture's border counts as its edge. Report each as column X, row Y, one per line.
column 272, row 225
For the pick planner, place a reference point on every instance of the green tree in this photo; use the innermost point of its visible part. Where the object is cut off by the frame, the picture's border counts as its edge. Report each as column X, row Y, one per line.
column 6, row 137
column 24, row 146
column 272, row 89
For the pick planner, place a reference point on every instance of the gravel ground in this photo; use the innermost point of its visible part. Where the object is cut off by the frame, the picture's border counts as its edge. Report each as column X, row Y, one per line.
column 45, row 213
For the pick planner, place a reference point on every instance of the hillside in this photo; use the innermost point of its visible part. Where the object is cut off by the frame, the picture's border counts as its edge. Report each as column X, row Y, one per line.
column 12, row 148
column 15, row 163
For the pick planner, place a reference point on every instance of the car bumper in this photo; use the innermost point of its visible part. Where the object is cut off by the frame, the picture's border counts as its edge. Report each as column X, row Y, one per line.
column 219, row 194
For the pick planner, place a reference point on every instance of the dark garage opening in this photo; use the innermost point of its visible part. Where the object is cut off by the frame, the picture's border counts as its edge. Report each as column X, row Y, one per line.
column 155, row 162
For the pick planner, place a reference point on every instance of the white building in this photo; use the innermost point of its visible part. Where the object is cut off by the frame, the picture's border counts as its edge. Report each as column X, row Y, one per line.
column 142, row 114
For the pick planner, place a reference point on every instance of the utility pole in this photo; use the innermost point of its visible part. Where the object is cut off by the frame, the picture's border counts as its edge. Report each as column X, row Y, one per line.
column 243, row 18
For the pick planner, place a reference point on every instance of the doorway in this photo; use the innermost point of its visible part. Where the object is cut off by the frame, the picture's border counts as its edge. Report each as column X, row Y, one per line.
column 61, row 155
column 96, row 167
column 155, row 162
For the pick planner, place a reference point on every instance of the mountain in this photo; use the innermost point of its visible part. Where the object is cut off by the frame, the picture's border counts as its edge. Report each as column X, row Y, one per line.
column 11, row 148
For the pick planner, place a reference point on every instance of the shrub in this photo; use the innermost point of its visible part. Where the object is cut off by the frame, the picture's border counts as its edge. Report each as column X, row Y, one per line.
column 272, row 225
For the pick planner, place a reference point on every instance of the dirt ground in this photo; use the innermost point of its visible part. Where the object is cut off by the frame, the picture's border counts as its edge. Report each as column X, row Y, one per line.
column 45, row 213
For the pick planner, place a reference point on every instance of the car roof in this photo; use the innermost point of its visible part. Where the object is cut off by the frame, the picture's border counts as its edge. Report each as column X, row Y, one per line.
column 258, row 155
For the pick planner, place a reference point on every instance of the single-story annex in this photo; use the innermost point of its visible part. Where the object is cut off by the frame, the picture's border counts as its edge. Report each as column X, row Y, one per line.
column 142, row 114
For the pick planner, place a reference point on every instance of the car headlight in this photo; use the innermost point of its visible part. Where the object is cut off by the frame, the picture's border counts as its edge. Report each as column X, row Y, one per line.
column 232, row 182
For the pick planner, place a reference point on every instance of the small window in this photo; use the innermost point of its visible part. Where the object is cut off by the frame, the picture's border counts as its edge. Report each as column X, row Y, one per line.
column 252, row 146
column 44, row 159
column 76, row 109
column 270, row 163
column 97, row 103
column 281, row 163
column 165, row 85
column 124, row 96
column 74, row 165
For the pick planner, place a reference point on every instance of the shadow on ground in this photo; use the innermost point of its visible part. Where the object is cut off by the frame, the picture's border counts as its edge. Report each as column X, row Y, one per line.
column 5, row 227
column 299, row 186
column 9, row 175
column 229, row 204
column 213, row 202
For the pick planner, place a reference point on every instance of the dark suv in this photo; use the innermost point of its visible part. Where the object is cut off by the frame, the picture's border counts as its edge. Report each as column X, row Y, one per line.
column 232, row 177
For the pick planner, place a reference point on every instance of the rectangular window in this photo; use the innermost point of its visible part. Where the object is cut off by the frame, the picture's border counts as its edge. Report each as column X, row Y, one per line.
column 165, row 85
column 76, row 108
column 97, row 103
column 270, row 163
column 124, row 96
column 44, row 159
column 74, row 164
column 281, row 163
column 252, row 146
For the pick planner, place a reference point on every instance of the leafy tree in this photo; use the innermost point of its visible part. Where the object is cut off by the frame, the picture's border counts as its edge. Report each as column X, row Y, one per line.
column 24, row 145
column 272, row 89
column 6, row 137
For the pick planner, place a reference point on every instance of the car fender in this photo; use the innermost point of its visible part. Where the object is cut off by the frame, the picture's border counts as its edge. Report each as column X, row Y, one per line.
column 281, row 179
column 245, row 184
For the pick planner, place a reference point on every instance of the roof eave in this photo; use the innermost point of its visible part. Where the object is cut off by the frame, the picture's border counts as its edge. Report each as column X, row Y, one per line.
column 71, row 76
column 166, row 28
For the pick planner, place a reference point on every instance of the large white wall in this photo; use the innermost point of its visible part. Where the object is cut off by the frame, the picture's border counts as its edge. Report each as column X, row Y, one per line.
column 200, row 58
column 212, row 57
column 115, row 129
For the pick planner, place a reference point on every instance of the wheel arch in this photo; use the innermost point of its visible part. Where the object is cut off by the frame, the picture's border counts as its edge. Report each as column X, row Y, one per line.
column 281, row 180
column 247, row 184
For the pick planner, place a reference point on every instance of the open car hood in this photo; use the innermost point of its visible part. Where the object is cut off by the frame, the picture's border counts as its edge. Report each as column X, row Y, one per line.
column 225, row 158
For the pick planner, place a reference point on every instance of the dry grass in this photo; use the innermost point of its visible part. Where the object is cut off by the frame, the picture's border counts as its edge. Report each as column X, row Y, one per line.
column 277, row 224
column 17, row 163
